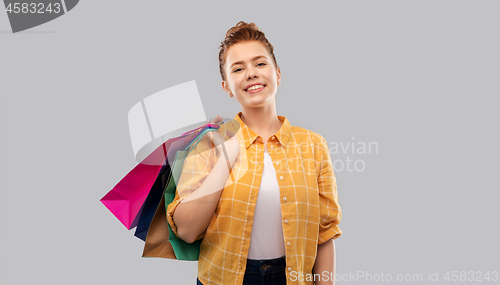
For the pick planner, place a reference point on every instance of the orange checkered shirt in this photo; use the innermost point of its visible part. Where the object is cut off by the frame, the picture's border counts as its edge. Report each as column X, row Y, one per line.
column 308, row 192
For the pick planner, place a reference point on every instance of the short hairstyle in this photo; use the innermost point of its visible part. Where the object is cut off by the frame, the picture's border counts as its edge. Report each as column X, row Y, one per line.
column 243, row 32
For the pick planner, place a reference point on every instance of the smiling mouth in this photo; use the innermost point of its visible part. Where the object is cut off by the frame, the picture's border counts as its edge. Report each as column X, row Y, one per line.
column 255, row 88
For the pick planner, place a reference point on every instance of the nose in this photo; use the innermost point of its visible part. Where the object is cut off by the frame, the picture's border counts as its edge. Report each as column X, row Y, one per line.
column 251, row 73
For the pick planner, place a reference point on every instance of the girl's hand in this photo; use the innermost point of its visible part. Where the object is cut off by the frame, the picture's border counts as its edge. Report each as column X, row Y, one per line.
column 230, row 147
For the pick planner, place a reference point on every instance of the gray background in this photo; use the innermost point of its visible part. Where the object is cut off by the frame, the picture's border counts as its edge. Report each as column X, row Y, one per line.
column 420, row 78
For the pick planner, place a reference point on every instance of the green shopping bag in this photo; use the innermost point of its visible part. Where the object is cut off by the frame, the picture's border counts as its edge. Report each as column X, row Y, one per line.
column 182, row 249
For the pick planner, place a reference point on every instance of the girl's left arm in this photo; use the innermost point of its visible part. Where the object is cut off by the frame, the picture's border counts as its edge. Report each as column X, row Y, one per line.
column 324, row 267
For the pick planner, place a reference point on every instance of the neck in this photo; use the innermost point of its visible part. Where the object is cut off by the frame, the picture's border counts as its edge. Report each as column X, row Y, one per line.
column 263, row 121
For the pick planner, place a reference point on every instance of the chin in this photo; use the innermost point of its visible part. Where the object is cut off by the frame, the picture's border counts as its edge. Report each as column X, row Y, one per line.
column 259, row 102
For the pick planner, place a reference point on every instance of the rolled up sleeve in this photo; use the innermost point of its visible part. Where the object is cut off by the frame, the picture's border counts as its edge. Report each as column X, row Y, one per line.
column 330, row 212
column 195, row 169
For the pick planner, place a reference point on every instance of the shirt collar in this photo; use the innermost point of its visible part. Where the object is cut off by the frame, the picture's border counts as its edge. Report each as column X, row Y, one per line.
column 283, row 134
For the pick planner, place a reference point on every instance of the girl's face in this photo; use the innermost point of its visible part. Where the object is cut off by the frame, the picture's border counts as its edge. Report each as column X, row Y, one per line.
column 249, row 64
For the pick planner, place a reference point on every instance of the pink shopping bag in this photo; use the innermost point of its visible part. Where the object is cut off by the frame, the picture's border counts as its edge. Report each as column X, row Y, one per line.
column 127, row 197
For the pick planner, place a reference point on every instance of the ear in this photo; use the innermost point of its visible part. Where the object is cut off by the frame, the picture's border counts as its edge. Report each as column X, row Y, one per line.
column 225, row 86
column 278, row 74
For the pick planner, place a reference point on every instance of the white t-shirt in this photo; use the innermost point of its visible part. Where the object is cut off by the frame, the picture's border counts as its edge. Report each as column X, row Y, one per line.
column 267, row 240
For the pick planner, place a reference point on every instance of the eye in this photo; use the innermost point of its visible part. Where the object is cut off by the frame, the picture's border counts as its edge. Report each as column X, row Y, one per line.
column 236, row 70
column 261, row 63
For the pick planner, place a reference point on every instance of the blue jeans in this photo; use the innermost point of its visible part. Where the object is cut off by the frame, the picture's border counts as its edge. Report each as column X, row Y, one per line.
column 263, row 272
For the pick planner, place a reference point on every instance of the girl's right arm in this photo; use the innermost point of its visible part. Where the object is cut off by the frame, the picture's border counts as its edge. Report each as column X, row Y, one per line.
column 194, row 213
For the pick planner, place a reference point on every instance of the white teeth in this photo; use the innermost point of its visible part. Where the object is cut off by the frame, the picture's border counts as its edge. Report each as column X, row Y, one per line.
column 255, row 87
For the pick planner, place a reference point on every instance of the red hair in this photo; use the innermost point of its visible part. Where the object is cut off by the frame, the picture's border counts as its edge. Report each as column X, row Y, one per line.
column 243, row 32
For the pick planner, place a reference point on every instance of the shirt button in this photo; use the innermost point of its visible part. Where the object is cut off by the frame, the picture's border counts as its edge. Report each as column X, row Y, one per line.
column 277, row 163
column 288, row 243
column 289, row 269
column 272, row 146
column 281, row 177
column 284, row 198
column 286, row 221
column 273, row 138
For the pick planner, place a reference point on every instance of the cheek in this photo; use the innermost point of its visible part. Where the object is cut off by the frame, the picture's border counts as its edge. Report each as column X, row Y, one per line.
column 272, row 76
column 235, row 87
column 236, row 83
column 230, row 83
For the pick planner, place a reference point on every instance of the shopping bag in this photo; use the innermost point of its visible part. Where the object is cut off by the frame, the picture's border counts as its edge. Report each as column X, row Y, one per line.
column 153, row 199
column 182, row 249
column 126, row 199
column 151, row 203
column 160, row 240
column 157, row 244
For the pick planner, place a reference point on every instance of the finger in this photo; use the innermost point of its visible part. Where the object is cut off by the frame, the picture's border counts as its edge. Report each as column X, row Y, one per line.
column 230, row 133
column 216, row 137
column 213, row 136
column 216, row 120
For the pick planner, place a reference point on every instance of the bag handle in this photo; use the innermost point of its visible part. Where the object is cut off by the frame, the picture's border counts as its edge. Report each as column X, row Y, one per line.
column 208, row 125
column 204, row 126
column 199, row 136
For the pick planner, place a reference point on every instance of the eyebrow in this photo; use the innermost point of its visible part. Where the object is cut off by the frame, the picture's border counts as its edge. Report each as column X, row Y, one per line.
column 253, row 59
